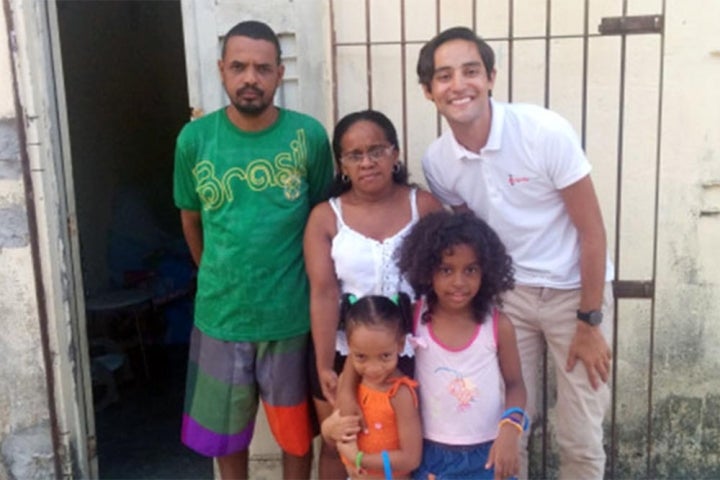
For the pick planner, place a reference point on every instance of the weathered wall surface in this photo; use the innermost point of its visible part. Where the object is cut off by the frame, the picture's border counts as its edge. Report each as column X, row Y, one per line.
column 686, row 384
column 25, row 441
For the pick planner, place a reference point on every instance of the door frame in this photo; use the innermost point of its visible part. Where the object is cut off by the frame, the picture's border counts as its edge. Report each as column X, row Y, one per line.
column 61, row 305
column 37, row 60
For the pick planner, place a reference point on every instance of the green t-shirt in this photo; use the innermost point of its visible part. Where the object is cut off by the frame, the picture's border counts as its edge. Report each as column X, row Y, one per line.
column 255, row 191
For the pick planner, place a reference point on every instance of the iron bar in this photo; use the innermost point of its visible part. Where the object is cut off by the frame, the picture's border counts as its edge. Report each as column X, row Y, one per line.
column 656, row 220
column 403, row 81
column 368, row 54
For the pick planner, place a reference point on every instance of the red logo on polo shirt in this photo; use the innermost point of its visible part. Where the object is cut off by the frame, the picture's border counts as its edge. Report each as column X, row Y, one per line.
column 514, row 180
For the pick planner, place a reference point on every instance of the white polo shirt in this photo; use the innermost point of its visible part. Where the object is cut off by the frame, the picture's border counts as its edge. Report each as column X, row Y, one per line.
column 514, row 184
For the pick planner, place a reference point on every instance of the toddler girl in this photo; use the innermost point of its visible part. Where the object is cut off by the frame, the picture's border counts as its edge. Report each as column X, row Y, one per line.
column 390, row 446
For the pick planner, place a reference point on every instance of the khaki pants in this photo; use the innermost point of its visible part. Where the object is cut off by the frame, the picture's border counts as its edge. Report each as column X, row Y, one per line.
column 545, row 315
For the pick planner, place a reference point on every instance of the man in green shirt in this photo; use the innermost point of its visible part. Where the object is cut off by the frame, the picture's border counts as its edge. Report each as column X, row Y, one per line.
column 246, row 177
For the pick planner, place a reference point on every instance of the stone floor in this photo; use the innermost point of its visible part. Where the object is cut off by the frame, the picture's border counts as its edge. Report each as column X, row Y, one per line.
column 139, row 435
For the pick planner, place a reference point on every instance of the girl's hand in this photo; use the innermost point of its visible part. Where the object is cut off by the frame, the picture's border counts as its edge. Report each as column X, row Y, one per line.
column 341, row 428
column 505, row 453
column 328, row 383
column 346, row 400
column 348, row 450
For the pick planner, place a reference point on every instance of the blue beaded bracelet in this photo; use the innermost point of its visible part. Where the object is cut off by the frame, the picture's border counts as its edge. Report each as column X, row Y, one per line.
column 525, row 419
column 386, row 465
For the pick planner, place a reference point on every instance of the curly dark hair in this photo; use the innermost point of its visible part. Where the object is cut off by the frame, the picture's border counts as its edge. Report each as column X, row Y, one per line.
column 422, row 252
column 395, row 314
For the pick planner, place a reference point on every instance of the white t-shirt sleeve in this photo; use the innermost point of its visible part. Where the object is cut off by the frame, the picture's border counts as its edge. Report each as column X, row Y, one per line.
column 565, row 159
column 437, row 182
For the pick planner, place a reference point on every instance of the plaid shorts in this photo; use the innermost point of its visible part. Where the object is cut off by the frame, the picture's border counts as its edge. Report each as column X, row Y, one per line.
column 224, row 381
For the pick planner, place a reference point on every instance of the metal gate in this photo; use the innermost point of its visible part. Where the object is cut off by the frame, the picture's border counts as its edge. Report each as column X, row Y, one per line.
column 600, row 65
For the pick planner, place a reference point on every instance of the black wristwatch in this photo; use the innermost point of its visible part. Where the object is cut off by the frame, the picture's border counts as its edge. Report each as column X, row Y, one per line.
column 592, row 317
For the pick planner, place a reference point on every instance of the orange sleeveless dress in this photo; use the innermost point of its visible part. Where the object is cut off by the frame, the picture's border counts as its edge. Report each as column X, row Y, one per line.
column 382, row 432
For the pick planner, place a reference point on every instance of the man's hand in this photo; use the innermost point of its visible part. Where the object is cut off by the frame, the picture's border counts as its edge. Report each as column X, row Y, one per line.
column 589, row 346
column 328, row 383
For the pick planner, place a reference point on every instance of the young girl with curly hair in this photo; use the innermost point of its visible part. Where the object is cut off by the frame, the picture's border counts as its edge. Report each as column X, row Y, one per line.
column 466, row 356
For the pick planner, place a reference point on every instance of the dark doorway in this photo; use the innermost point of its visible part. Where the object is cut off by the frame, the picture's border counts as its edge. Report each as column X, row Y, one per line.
column 126, row 96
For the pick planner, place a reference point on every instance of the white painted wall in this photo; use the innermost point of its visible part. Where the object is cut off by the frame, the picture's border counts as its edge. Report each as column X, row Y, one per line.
column 7, row 108
column 687, row 342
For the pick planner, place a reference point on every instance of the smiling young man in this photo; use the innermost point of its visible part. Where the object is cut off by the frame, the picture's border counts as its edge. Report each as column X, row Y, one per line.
column 246, row 177
column 522, row 169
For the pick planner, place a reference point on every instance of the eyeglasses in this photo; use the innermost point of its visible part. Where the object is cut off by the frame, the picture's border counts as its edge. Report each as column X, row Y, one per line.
column 374, row 153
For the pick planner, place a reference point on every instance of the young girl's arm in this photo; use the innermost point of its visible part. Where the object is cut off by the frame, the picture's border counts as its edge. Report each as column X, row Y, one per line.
column 407, row 457
column 505, row 452
column 347, row 391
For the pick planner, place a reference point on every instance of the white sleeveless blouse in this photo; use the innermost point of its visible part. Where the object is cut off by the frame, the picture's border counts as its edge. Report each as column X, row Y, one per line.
column 365, row 266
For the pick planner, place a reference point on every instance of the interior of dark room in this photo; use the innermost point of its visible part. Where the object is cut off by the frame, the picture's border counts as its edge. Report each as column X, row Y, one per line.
column 125, row 91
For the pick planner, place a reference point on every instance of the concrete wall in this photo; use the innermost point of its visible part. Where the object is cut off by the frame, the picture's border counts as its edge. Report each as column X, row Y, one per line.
column 686, row 384
column 25, row 440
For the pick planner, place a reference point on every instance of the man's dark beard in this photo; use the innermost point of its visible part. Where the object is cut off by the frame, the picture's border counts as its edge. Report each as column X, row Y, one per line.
column 254, row 110
column 250, row 109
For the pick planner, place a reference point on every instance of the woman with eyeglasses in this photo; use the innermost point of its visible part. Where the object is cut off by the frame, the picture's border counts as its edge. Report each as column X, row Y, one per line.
column 350, row 243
